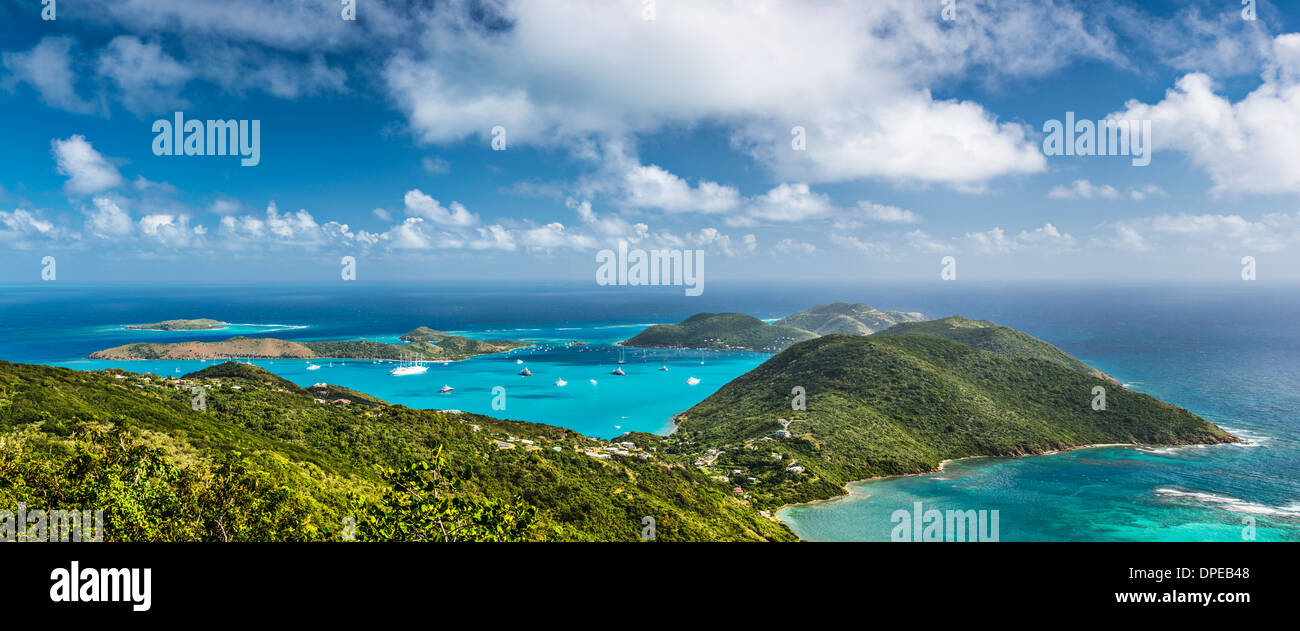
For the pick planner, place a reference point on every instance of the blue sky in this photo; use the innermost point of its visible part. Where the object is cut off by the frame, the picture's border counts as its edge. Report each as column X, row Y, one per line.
column 923, row 138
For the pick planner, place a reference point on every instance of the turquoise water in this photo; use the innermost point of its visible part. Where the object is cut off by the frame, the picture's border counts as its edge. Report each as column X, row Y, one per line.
column 1096, row 494
column 1230, row 353
column 645, row 399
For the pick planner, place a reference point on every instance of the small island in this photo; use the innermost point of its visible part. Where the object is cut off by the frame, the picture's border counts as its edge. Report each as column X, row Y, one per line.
column 425, row 344
column 200, row 324
column 847, row 318
column 720, row 331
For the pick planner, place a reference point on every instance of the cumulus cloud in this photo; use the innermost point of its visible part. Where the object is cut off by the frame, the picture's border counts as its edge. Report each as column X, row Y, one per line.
column 148, row 80
column 1245, row 147
column 1047, row 239
column 107, row 219
column 22, row 229
column 1233, row 234
column 1084, row 189
column 790, row 246
column 887, row 214
column 272, row 228
column 653, row 187
column 790, row 203
column 86, row 169
column 418, row 204
column 855, row 76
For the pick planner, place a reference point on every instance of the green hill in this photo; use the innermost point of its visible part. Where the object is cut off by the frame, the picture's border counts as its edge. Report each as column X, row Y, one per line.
column 265, row 462
column 998, row 339
column 884, row 405
column 241, row 371
column 846, row 318
column 720, row 331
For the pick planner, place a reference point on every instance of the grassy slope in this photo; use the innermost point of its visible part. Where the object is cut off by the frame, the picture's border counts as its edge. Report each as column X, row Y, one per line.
column 847, row 318
column 331, row 450
column 720, row 331
column 897, row 404
column 998, row 339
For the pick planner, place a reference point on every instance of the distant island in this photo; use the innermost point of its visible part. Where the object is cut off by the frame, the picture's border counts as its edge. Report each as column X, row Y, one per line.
column 200, row 324
column 425, row 345
column 847, row 318
column 737, row 331
column 720, row 331
column 905, row 402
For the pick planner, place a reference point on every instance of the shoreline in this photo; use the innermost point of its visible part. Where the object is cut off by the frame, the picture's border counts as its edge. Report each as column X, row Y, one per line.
column 944, row 463
column 848, row 491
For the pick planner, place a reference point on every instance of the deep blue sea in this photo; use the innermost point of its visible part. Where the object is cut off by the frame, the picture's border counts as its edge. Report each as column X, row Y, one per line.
column 1230, row 353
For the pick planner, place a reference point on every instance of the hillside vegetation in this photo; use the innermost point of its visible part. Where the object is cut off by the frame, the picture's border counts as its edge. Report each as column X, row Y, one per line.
column 998, row 339
column 896, row 404
column 266, row 461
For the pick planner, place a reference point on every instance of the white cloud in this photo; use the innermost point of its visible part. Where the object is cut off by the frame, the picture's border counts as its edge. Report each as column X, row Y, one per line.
column 887, row 214
column 274, row 228
column 435, row 165
column 107, row 219
column 790, row 246
column 1084, row 189
column 1144, row 192
column 419, row 204
column 47, row 67
column 1047, row 239
column 1233, row 234
column 653, row 187
column 148, row 80
column 855, row 75
column 1245, row 147
column 169, row 230
column 790, row 203
column 20, row 228
column 87, row 171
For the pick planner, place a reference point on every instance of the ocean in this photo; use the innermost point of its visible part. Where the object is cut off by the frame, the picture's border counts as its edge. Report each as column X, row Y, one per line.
column 1229, row 352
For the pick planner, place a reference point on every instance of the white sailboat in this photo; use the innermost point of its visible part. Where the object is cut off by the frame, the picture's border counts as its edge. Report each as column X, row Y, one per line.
column 446, row 388
column 561, row 382
column 692, row 381
column 412, row 368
